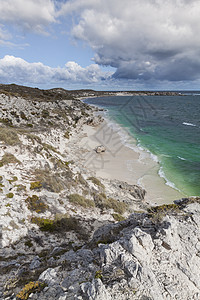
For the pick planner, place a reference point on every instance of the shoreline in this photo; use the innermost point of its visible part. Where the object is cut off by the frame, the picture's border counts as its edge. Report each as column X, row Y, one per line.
column 125, row 161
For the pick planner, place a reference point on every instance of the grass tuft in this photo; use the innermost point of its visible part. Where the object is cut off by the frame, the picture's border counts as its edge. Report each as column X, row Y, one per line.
column 9, row 136
column 9, row 158
column 96, row 182
column 80, row 200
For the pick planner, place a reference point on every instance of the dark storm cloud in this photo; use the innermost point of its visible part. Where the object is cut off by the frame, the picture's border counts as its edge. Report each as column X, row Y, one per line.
column 142, row 39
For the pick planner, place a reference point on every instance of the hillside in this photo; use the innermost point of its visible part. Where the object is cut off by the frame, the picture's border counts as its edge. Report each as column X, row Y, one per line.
column 66, row 234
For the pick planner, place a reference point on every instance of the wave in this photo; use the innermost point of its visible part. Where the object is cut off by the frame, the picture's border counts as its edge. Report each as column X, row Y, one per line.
column 181, row 158
column 189, row 124
column 167, row 182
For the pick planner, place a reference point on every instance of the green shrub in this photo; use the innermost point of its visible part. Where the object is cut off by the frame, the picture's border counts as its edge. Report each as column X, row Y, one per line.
column 80, row 200
column 36, row 204
column 10, row 195
column 35, row 185
column 61, row 224
column 96, row 182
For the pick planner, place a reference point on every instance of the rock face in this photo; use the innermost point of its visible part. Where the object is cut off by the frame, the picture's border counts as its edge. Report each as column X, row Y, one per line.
column 148, row 256
column 100, row 149
column 59, row 232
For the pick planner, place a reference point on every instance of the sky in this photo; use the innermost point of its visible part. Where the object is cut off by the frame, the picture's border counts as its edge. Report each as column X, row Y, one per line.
column 101, row 44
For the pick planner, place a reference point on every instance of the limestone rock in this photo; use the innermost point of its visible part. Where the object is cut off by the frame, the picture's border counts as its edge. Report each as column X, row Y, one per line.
column 100, row 149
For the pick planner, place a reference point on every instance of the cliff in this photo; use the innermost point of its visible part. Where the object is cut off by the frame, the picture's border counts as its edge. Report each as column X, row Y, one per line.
column 66, row 234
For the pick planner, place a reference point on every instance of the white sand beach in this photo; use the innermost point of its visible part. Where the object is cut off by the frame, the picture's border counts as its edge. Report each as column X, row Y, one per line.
column 133, row 165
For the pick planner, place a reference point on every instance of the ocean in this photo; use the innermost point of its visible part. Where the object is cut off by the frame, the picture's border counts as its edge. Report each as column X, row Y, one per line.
column 166, row 126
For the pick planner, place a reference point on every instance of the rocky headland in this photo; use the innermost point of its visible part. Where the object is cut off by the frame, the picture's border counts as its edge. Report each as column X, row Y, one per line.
column 66, row 234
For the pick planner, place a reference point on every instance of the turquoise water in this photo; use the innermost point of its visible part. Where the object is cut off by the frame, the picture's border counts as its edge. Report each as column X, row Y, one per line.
column 167, row 126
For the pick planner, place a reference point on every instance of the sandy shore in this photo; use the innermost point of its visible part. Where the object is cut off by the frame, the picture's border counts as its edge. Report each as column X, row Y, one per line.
column 121, row 162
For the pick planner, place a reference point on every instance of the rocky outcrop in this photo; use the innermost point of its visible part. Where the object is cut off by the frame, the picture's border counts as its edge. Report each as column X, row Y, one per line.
column 151, row 255
column 65, row 234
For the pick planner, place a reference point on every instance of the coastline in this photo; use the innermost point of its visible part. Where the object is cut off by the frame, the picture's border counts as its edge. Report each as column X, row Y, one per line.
column 124, row 160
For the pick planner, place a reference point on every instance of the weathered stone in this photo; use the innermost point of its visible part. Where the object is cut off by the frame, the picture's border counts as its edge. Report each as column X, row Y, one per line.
column 100, row 149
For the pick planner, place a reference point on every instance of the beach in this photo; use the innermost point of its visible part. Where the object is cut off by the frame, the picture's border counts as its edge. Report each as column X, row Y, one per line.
column 124, row 161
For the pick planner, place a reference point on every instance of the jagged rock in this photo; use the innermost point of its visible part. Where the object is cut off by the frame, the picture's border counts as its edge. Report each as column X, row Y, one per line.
column 100, row 149
column 157, row 262
column 95, row 290
column 35, row 263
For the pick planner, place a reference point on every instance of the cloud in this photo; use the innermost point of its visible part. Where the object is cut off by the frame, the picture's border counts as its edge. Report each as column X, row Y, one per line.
column 15, row 69
column 31, row 15
column 142, row 39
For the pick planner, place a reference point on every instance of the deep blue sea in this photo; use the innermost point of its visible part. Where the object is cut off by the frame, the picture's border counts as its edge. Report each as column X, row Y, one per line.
column 167, row 126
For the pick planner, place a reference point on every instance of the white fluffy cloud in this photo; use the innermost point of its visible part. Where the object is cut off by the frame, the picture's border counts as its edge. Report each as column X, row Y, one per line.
column 31, row 15
column 14, row 69
column 143, row 39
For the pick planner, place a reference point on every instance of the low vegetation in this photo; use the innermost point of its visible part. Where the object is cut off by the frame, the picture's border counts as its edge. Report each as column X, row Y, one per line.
column 49, row 180
column 96, row 182
column 30, row 288
column 157, row 213
column 63, row 223
column 36, row 204
column 10, row 195
column 103, row 202
column 118, row 217
column 36, row 185
column 8, row 158
column 9, row 136
column 77, row 199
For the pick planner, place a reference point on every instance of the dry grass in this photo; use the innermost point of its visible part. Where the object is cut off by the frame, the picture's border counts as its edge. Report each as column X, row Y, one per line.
column 118, row 217
column 9, row 136
column 48, row 180
column 96, row 182
column 80, row 200
column 103, row 202
column 117, row 206
column 9, row 158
